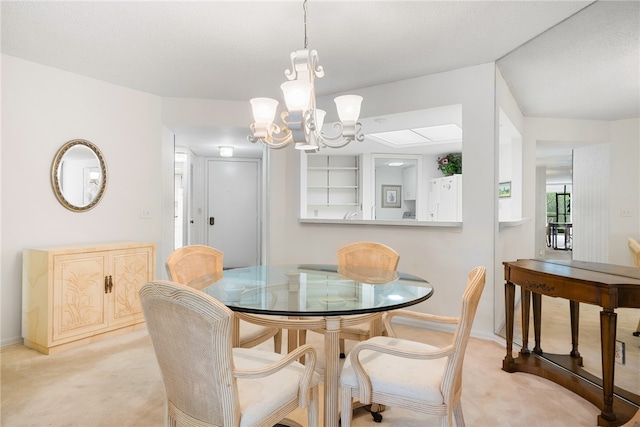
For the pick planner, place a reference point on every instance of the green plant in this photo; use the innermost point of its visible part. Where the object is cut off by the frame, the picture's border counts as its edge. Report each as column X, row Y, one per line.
column 450, row 164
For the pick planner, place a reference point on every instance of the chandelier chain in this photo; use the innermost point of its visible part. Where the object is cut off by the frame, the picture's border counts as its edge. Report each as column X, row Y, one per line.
column 304, row 7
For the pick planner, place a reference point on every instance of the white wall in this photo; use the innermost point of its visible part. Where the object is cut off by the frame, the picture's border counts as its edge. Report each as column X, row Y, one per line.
column 512, row 242
column 42, row 108
column 625, row 189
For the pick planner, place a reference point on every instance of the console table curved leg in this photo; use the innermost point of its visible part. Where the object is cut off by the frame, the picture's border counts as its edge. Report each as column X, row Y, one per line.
column 509, row 300
column 608, row 321
column 574, row 308
column 537, row 321
column 525, row 304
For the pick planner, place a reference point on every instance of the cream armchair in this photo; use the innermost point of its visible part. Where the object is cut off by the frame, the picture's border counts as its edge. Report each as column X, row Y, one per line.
column 187, row 263
column 207, row 381
column 413, row 375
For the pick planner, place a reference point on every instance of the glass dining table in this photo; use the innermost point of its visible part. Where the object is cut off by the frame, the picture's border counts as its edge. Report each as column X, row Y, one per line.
column 315, row 296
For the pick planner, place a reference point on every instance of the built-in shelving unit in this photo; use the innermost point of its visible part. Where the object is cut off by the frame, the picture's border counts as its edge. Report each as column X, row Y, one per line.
column 333, row 181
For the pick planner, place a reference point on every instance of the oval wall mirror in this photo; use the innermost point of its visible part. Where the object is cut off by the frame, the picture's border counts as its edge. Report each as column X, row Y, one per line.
column 79, row 175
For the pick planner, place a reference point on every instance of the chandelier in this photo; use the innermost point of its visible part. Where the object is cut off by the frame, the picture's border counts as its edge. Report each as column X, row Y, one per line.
column 302, row 122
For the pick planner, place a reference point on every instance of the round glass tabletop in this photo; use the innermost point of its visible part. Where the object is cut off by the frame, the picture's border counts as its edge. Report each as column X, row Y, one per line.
column 314, row 289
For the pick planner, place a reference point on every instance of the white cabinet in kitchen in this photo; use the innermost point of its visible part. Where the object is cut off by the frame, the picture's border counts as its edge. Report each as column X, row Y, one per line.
column 445, row 199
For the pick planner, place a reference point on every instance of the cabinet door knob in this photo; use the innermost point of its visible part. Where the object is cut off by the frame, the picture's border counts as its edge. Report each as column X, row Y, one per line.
column 110, row 284
column 106, row 284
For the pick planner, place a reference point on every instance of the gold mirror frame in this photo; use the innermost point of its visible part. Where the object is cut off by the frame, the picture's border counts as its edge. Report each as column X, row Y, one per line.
column 55, row 175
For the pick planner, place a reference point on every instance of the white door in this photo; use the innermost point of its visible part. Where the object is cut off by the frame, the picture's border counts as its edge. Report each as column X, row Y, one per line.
column 233, row 210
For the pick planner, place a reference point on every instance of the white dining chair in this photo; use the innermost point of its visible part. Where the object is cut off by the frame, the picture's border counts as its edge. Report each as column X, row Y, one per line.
column 413, row 375
column 207, row 381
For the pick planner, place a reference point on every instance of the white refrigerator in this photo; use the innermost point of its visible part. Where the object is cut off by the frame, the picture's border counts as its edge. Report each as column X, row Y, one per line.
column 445, row 199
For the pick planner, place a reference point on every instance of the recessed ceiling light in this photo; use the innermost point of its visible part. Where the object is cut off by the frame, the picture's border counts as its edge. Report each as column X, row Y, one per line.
column 395, row 163
column 226, row 151
column 400, row 138
column 441, row 133
column 419, row 136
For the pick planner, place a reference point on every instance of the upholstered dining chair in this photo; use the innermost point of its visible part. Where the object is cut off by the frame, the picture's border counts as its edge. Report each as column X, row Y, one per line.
column 634, row 247
column 362, row 254
column 208, row 382
column 413, row 375
column 187, row 263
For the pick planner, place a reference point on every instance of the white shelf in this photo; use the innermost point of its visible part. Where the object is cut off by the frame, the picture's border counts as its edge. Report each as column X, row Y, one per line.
column 333, row 204
column 347, row 187
column 315, row 168
column 333, row 181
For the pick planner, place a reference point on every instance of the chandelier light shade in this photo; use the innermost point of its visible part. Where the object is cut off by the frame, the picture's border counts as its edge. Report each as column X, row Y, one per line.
column 264, row 110
column 348, row 107
column 302, row 122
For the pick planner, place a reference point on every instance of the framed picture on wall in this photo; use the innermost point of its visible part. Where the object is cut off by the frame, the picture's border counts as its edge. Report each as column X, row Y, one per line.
column 504, row 189
column 391, row 196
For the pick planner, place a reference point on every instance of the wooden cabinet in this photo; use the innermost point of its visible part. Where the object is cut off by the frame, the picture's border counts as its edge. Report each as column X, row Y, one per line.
column 333, row 181
column 77, row 294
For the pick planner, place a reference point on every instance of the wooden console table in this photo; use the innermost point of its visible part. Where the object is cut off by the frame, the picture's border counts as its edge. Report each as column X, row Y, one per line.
column 604, row 285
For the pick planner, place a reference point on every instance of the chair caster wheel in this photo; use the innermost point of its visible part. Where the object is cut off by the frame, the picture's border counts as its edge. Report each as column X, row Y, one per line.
column 342, row 356
column 377, row 418
column 636, row 334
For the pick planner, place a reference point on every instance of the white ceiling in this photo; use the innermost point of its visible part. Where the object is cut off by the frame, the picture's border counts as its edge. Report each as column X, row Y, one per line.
column 564, row 59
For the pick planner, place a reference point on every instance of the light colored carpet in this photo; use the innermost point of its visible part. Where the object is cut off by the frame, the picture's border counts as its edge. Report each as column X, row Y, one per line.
column 117, row 382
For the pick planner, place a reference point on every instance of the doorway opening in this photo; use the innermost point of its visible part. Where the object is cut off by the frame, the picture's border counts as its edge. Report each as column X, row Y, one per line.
column 218, row 202
column 559, row 223
column 181, row 202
